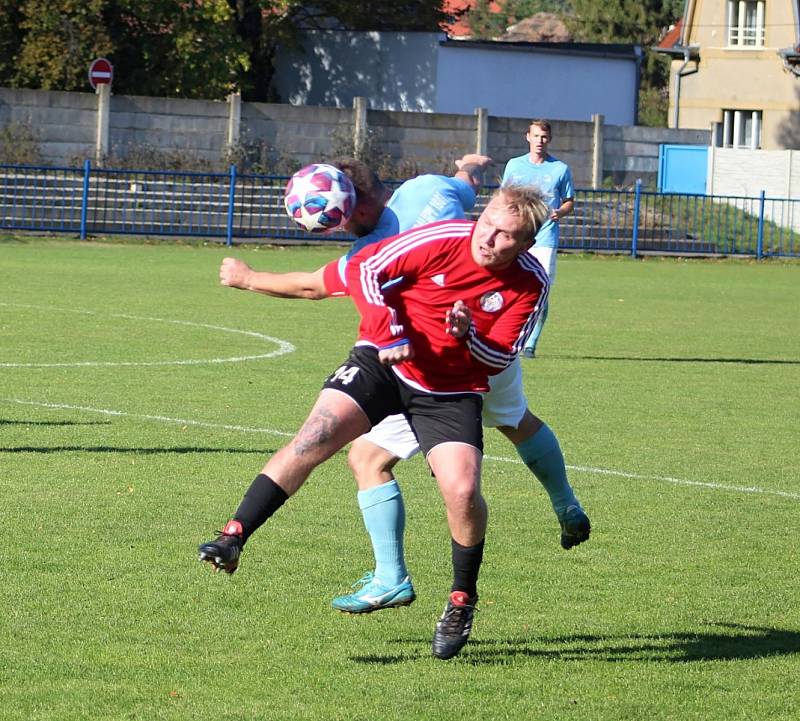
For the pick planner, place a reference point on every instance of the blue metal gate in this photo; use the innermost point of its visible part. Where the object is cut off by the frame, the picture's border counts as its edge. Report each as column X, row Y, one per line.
column 682, row 168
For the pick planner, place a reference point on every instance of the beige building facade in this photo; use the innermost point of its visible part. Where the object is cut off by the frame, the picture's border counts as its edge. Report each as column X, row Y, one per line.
column 736, row 64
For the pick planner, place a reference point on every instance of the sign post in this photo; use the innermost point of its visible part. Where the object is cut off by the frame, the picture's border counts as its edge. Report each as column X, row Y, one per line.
column 101, row 73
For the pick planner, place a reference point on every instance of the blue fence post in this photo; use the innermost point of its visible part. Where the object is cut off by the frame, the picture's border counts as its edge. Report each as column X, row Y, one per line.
column 637, row 201
column 231, row 197
column 760, row 240
column 87, row 168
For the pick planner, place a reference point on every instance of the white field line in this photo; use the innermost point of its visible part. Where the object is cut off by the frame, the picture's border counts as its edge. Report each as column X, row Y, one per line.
column 500, row 459
column 146, row 417
column 666, row 479
column 283, row 346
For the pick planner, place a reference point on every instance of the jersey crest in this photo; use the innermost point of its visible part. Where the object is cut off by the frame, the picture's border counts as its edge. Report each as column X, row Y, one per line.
column 492, row 301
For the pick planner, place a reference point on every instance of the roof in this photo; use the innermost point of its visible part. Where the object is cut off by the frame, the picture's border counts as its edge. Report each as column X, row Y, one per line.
column 673, row 37
column 460, row 28
column 608, row 50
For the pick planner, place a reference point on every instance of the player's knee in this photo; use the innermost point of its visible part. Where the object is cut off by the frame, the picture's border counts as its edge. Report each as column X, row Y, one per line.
column 367, row 461
column 461, row 494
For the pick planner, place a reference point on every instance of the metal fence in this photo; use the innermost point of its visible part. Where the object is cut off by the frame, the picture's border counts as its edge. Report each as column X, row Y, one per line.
column 234, row 207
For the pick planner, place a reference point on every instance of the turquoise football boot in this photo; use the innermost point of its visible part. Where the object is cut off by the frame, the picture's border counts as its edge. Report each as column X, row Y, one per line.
column 373, row 595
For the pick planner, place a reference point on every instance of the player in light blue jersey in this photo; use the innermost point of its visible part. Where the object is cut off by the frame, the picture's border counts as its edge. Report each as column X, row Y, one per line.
column 373, row 456
column 554, row 179
column 419, row 201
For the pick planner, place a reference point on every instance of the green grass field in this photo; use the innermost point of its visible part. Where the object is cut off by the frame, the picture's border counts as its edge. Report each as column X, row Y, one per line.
column 138, row 399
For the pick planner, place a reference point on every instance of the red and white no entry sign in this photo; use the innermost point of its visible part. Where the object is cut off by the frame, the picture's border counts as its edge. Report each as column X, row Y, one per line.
column 101, row 72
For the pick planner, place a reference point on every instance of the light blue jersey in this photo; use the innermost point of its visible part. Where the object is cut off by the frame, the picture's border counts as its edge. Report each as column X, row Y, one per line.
column 418, row 201
column 553, row 178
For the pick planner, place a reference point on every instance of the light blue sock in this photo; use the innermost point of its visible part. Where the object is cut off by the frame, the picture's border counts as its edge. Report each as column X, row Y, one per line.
column 542, row 454
column 385, row 519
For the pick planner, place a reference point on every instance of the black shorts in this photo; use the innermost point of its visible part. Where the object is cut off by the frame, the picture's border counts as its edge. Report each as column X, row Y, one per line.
column 434, row 417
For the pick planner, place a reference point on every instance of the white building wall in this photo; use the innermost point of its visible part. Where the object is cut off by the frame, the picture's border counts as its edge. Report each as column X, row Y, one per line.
column 422, row 72
column 394, row 71
column 531, row 83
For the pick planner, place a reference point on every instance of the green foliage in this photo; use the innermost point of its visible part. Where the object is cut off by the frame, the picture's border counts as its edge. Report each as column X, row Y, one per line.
column 176, row 48
column 401, row 15
column 11, row 35
column 640, row 22
column 622, row 21
column 653, row 107
column 61, row 38
column 173, row 48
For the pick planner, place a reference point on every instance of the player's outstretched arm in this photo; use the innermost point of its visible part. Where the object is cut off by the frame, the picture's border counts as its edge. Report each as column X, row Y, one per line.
column 237, row 274
column 471, row 169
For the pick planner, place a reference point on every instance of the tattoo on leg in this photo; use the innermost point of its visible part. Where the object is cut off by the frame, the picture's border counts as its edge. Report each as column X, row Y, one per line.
column 318, row 429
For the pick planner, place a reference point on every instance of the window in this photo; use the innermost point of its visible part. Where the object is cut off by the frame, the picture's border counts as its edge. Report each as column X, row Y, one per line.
column 741, row 128
column 746, row 23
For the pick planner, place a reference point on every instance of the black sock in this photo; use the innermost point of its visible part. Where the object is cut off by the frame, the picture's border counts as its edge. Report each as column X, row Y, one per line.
column 466, row 565
column 262, row 499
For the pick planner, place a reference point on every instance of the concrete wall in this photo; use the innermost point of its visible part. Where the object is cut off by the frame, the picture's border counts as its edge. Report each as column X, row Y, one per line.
column 572, row 143
column 748, row 172
column 65, row 125
column 304, row 133
column 198, row 127
column 744, row 173
column 632, row 152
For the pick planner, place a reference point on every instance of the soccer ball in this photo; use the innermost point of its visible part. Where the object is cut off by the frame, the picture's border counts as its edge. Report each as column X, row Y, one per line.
column 319, row 198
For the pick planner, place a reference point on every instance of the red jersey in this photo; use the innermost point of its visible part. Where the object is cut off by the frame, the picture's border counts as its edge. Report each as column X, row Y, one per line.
column 432, row 267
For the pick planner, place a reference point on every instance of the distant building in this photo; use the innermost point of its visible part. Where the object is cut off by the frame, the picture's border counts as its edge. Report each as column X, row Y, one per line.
column 431, row 73
column 736, row 64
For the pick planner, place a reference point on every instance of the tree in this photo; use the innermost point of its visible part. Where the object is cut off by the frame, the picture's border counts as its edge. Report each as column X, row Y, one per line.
column 60, row 39
column 178, row 48
column 10, row 39
column 175, row 48
column 641, row 22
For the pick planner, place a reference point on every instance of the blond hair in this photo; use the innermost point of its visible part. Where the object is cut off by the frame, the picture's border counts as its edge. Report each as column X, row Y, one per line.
column 527, row 202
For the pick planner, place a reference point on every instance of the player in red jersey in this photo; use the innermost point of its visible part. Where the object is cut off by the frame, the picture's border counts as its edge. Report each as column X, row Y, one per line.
column 465, row 298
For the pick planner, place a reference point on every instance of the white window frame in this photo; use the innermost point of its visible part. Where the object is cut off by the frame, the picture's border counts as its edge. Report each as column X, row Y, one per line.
column 734, row 129
column 740, row 34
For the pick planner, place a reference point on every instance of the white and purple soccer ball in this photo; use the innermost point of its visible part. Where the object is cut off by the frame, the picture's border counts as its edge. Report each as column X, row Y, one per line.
column 319, row 198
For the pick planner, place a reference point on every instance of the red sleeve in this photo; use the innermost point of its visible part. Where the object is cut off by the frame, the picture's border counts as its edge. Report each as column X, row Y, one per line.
column 365, row 273
column 334, row 284
column 497, row 347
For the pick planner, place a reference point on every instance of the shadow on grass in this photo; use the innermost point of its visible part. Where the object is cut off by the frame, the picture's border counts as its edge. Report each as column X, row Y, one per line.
column 122, row 449
column 742, row 361
column 733, row 642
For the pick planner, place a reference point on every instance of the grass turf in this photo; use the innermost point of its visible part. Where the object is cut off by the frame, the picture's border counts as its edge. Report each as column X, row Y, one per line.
column 671, row 384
